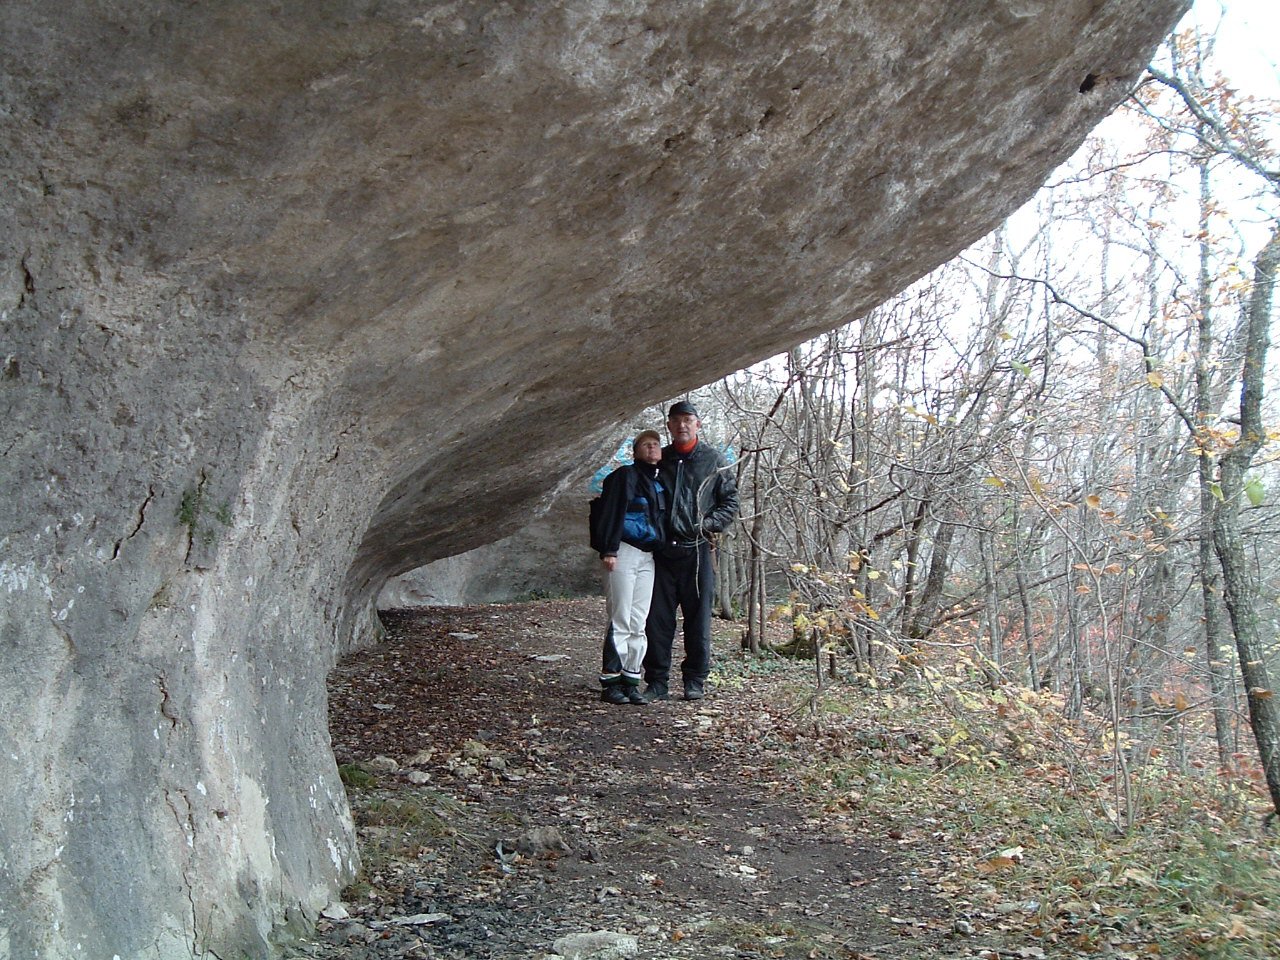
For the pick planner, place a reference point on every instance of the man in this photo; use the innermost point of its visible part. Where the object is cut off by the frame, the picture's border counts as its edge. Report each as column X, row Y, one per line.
column 627, row 525
column 702, row 500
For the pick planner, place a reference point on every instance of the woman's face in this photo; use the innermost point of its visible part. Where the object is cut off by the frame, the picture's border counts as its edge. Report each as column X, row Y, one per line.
column 648, row 451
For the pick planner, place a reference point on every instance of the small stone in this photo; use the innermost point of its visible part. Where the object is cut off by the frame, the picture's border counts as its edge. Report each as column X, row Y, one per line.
column 335, row 911
column 381, row 764
column 962, row 927
column 422, row 919
column 541, row 840
column 598, row 945
column 419, row 777
column 345, row 933
column 459, row 635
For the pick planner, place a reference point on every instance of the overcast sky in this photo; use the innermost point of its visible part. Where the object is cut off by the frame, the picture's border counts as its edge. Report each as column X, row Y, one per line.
column 1248, row 41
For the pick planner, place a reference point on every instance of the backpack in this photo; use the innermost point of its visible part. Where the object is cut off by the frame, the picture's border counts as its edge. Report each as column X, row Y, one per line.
column 593, row 520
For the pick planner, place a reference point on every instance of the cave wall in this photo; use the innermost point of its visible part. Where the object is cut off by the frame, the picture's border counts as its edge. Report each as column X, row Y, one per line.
column 298, row 296
column 547, row 557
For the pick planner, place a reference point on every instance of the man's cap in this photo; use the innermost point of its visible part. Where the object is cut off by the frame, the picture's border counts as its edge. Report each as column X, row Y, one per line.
column 646, row 435
column 682, row 408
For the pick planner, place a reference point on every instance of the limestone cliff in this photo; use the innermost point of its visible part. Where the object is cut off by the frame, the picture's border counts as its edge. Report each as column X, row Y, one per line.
column 296, row 296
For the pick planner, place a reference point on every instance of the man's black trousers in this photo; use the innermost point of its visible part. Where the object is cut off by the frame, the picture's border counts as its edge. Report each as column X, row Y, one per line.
column 684, row 577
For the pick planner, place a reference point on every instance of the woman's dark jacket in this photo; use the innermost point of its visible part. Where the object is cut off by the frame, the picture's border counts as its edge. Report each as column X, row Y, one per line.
column 632, row 510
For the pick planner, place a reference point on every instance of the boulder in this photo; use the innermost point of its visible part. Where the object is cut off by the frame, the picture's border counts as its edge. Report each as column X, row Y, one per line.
column 298, row 296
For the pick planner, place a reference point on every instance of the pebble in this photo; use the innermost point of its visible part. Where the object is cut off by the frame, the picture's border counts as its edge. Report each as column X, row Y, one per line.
column 335, row 911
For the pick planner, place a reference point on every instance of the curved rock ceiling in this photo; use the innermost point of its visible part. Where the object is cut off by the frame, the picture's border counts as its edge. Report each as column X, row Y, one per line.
column 299, row 295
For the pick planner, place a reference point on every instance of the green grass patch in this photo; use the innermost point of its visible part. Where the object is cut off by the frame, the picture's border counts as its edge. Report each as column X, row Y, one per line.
column 355, row 777
column 402, row 826
column 745, row 666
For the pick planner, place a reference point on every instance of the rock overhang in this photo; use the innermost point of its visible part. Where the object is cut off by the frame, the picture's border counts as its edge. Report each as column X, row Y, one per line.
column 298, row 296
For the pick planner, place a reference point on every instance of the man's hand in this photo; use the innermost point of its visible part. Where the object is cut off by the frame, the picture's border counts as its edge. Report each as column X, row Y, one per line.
column 610, row 563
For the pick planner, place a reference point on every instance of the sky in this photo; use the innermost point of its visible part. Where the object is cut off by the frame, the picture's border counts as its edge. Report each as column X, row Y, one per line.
column 1248, row 40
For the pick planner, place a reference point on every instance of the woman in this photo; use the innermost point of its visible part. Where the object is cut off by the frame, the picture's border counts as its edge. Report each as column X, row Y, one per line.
column 630, row 522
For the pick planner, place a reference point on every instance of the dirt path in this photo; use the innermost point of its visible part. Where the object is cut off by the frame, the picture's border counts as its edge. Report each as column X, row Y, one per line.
column 522, row 809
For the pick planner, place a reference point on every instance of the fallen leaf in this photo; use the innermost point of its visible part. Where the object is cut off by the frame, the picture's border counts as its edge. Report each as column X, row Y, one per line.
column 1140, row 877
column 1240, row 930
column 994, row 864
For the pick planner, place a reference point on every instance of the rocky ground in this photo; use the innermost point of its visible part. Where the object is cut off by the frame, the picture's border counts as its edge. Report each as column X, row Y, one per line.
column 504, row 811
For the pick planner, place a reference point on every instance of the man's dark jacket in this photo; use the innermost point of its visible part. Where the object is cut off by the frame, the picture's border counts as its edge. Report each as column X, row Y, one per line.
column 702, row 497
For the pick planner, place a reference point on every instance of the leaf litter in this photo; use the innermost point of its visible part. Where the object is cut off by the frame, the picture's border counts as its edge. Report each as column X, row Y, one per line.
column 933, row 818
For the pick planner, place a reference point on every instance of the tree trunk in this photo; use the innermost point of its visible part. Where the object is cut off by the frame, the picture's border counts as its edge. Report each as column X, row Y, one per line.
column 1028, row 628
column 755, row 568
column 931, row 597
column 986, row 550
column 728, row 577
column 912, row 553
column 1206, row 406
column 1240, row 588
column 1211, row 606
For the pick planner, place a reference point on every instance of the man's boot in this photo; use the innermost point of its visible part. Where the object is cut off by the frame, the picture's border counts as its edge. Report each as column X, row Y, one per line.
column 656, row 690
column 634, row 696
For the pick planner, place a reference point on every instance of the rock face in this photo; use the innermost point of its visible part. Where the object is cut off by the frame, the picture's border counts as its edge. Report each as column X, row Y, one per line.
column 547, row 557
column 297, row 296
column 547, row 553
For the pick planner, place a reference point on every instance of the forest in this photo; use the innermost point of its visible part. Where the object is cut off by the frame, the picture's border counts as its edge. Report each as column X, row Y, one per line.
column 1040, row 485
